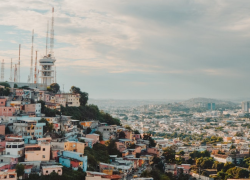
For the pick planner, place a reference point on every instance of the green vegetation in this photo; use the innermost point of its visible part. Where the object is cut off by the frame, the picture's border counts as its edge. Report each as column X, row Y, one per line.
column 48, row 127
column 54, row 88
column 19, row 170
column 67, row 174
column 5, row 91
column 87, row 112
column 47, row 111
column 100, row 153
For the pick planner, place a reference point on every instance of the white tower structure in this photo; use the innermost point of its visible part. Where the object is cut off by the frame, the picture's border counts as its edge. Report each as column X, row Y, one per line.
column 47, row 62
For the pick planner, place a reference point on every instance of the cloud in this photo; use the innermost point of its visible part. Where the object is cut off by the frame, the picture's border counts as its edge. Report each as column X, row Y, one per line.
column 161, row 44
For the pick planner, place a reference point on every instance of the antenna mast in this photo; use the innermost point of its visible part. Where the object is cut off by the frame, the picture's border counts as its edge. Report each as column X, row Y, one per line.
column 11, row 70
column 47, row 38
column 30, row 79
column 19, row 77
column 35, row 77
column 52, row 34
column 2, row 71
column 15, row 74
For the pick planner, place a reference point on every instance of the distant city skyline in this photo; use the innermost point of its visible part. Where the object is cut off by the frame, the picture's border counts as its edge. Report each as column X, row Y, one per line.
column 136, row 49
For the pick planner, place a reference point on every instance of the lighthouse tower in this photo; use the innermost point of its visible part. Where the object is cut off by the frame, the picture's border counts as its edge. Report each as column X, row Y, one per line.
column 47, row 62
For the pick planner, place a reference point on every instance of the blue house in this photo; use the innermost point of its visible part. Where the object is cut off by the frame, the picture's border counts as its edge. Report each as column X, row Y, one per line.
column 73, row 160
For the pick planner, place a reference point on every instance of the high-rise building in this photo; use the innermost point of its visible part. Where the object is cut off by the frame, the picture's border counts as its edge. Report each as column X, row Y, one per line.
column 211, row 106
column 245, row 106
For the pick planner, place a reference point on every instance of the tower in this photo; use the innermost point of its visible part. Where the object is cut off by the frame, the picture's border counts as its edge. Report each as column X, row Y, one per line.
column 30, row 79
column 19, row 80
column 35, row 74
column 11, row 70
column 47, row 62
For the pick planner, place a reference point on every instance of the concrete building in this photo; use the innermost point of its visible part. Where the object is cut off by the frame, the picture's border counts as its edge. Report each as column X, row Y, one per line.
column 7, row 111
column 47, row 170
column 14, row 146
column 47, row 69
column 33, row 109
column 38, row 152
column 73, row 160
column 245, row 106
column 74, row 146
column 9, row 174
column 72, row 100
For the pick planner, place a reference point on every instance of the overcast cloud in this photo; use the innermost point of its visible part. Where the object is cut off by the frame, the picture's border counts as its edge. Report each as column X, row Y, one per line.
column 143, row 49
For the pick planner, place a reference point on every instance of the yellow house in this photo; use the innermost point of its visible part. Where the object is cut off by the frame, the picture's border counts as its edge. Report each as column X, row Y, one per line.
column 86, row 123
column 74, row 146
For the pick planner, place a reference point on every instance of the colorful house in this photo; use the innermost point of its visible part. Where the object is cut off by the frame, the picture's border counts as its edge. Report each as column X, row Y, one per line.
column 73, row 160
column 74, row 146
column 38, row 152
column 46, row 170
column 9, row 174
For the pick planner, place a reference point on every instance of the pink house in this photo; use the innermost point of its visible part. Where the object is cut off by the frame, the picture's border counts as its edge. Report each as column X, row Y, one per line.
column 47, row 170
column 4, row 166
column 7, row 111
column 95, row 137
column 136, row 136
column 154, row 151
column 128, row 134
column 3, row 102
column 186, row 168
column 46, row 97
column 2, row 129
column 120, row 146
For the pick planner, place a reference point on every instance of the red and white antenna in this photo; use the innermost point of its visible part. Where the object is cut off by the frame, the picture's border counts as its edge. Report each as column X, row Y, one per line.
column 35, row 74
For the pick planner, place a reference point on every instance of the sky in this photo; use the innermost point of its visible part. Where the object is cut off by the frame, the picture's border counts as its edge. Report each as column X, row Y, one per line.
column 143, row 49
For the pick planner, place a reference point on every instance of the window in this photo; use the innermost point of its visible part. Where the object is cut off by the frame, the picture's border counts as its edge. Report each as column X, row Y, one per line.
column 47, row 171
column 43, row 156
column 9, row 109
column 59, row 170
column 54, row 171
column 8, row 153
column 14, row 146
column 43, row 149
column 1, row 160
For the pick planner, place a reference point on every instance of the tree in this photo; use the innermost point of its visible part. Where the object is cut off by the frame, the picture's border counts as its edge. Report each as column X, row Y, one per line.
column 181, row 153
column 83, row 95
column 136, row 132
column 88, row 130
column 151, row 142
column 169, row 154
column 15, row 85
column 100, row 135
column 5, row 84
column 122, row 135
column 19, row 170
column 54, row 87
